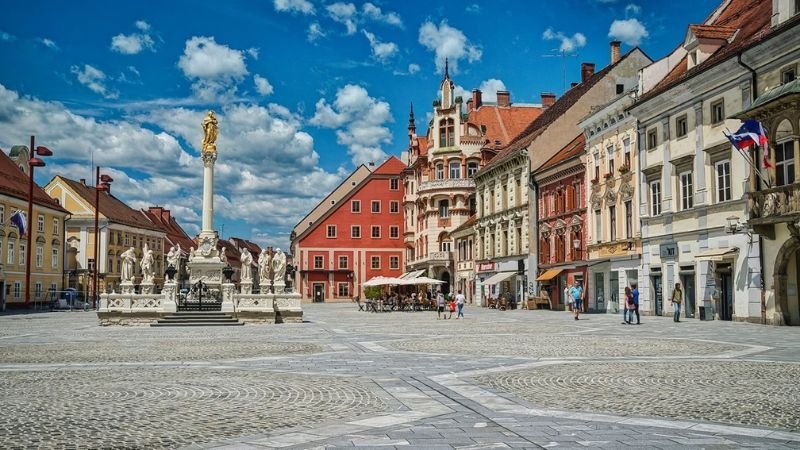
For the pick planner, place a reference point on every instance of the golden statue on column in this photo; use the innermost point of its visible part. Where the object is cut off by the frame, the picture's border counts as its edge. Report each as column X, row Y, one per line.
column 210, row 133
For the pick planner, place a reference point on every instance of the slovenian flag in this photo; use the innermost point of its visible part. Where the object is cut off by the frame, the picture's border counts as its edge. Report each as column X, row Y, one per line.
column 18, row 220
column 751, row 133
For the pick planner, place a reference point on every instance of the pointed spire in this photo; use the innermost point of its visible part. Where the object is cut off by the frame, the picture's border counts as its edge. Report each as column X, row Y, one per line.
column 411, row 123
column 446, row 68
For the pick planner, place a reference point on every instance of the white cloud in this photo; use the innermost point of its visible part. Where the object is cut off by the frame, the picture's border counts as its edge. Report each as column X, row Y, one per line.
column 94, row 79
column 4, row 36
column 567, row 44
column 360, row 122
column 215, row 68
column 134, row 70
column 632, row 10
column 473, row 8
column 262, row 85
column 489, row 89
column 294, row 6
column 253, row 52
column 134, row 43
column 381, row 51
column 413, row 68
column 49, row 43
column 344, row 13
column 447, row 42
column 314, row 32
column 373, row 12
column 629, row 31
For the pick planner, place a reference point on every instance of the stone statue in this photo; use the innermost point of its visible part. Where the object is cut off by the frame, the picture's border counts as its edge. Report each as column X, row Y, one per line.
column 247, row 265
column 264, row 262
column 223, row 256
column 278, row 267
column 210, row 133
column 174, row 256
column 191, row 252
column 128, row 265
column 147, row 265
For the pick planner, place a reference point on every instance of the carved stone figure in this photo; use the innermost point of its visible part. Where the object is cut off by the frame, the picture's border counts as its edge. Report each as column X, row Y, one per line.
column 191, row 252
column 210, row 133
column 174, row 256
column 264, row 262
column 128, row 271
column 147, row 265
column 247, row 265
column 278, row 267
column 223, row 255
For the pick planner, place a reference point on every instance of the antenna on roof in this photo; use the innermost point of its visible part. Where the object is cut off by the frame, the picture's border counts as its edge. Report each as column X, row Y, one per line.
column 563, row 55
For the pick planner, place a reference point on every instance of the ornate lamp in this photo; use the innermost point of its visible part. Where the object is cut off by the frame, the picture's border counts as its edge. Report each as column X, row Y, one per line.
column 227, row 272
column 170, row 272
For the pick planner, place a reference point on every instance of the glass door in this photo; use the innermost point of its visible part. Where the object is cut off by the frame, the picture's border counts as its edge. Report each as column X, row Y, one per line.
column 599, row 294
column 689, row 293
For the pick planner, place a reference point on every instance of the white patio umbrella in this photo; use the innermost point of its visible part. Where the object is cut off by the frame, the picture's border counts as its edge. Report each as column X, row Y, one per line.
column 384, row 281
column 422, row 280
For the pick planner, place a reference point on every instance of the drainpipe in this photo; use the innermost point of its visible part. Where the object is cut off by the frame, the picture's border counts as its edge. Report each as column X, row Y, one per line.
column 753, row 97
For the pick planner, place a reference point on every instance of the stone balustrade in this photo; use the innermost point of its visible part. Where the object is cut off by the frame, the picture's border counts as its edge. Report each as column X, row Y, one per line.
column 779, row 204
column 448, row 183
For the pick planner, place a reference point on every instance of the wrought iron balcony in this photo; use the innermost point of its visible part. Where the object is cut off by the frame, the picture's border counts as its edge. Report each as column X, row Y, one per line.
column 449, row 183
column 779, row 204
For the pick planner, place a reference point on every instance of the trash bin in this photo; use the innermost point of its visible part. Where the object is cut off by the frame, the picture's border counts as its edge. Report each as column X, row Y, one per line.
column 705, row 313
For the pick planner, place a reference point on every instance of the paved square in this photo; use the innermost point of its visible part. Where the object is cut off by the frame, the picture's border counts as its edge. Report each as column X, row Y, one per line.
column 522, row 379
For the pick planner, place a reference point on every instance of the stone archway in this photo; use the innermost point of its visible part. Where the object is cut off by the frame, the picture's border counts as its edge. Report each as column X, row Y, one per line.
column 787, row 252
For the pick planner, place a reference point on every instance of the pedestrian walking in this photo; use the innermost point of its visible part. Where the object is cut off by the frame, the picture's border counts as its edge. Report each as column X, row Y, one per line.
column 576, row 292
column 627, row 307
column 439, row 305
column 452, row 306
column 635, row 299
column 677, row 298
column 460, row 304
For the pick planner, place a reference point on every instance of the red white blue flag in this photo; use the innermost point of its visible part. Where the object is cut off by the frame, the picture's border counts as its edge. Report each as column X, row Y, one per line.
column 751, row 133
column 18, row 220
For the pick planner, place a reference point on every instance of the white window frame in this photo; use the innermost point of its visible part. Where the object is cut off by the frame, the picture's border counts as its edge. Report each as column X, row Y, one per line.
column 472, row 168
column 394, row 184
column 55, row 226
column 454, row 167
column 655, row 198
column 40, row 223
column 321, row 261
column 598, row 226
column 394, row 232
column 10, row 252
column 339, row 286
column 346, row 260
column 37, row 290
column 610, row 159
column 355, row 206
column 39, row 256
column 724, row 193
column 372, row 206
column 17, row 289
column 439, row 171
column 372, row 261
column 328, row 229
column 444, row 210
column 394, row 262
column 23, row 247
column 686, row 183
column 612, row 223
column 394, row 207
column 355, row 229
column 372, row 231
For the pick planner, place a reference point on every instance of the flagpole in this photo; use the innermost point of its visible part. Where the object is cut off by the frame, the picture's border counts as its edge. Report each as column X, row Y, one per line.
column 28, row 231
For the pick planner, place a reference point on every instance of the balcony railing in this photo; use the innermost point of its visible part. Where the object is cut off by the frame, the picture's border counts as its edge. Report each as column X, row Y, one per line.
column 776, row 204
column 449, row 183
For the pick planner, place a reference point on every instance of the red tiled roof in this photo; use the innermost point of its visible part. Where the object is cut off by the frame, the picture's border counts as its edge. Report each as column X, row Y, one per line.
column 14, row 183
column 392, row 166
column 569, row 151
column 752, row 20
column 422, row 143
column 712, row 31
column 175, row 233
column 561, row 106
column 503, row 123
column 255, row 250
column 113, row 208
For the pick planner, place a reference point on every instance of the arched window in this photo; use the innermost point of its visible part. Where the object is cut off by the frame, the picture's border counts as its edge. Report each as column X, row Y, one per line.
column 451, row 135
column 784, row 154
column 455, row 169
column 444, row 208
column 443, row 133
column 439, row 171
column 447, row 135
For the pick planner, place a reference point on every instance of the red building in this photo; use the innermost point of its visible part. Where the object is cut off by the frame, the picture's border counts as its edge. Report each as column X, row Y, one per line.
column 358, row 237
column 561, row 217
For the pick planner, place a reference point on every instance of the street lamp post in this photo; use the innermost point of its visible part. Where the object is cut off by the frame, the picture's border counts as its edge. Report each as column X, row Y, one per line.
column 101, row 183
column 577, row 244
column 33, row 161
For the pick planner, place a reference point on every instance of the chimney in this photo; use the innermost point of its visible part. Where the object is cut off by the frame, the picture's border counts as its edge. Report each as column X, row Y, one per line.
column 614, row 51
column 83, row 181
column 469, row 105
column 548, row 99
column 572, row 85
column 587, row 70
column 503, row 98
column 476, row 99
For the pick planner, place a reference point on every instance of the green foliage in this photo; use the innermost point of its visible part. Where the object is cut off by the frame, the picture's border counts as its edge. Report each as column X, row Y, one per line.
column 373, row 292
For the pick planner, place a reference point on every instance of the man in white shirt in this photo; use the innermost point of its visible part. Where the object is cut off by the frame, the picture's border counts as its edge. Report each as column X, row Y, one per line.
column 460, row 304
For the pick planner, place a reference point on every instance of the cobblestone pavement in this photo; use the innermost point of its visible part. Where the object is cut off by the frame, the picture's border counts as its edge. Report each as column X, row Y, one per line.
column 524, row 379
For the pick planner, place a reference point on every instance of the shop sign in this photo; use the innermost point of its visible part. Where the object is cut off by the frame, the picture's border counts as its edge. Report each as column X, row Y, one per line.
column 486, row 267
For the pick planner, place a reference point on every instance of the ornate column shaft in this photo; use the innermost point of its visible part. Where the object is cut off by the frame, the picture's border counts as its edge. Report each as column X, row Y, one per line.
column 209, row 158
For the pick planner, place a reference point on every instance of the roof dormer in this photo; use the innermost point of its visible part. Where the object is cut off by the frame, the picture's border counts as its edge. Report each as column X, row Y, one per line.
column 703, row 41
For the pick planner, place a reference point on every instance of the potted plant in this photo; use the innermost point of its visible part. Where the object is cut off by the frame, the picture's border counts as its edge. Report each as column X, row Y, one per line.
column 624, row 168
column 608, row 176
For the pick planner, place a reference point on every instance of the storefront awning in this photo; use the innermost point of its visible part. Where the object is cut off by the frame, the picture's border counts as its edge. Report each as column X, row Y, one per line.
column 549, row 275
column 717, row 254
column 498, row 278
column 411, row 275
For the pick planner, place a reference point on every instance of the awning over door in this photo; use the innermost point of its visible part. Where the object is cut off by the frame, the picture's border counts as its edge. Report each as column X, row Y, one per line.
column 717, row 254
column 411, row 275
column 549, row 275
column 499, row 278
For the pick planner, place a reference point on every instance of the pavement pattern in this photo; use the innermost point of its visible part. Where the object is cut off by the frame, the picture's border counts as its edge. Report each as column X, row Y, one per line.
column 497, row 379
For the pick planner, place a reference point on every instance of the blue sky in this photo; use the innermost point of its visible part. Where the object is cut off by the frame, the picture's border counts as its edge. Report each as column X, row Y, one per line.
column 305, row 89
